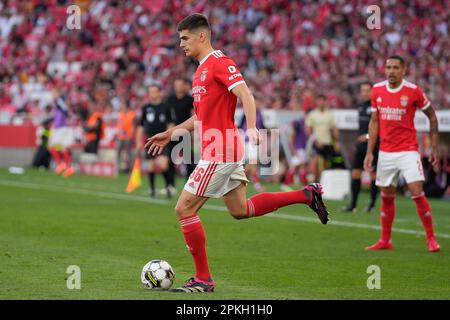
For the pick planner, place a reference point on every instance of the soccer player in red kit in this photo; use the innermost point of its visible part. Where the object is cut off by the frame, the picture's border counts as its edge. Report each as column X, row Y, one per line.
column 394, row 104
column 220, row 173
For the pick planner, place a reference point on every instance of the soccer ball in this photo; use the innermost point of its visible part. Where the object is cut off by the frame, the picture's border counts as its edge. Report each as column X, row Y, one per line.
column 157, row 274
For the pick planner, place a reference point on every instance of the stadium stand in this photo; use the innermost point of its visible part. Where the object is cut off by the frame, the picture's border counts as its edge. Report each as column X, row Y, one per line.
column 288, row 50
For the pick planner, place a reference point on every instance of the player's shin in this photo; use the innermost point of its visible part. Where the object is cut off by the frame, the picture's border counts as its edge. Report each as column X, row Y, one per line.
column 424, row 212
column 373, row 193
column 387, row 215
column 356, row 188
column 266, row 202
column 195, row 238
column 151, row 181
column 67, row 158
column 56, row 155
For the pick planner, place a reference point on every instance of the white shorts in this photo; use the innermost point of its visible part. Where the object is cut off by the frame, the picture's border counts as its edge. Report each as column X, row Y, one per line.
column 215, row 179
column 391, row 164
column 299, row 157
column 61, row 137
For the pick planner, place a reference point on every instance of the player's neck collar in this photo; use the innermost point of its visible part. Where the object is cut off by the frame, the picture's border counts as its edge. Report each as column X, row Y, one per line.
column 207, row 56
column 389, row 89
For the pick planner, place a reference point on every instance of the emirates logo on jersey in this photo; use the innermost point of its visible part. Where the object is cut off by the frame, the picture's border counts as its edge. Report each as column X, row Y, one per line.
column 203, row 75
column 404, row 101
column 198, row 89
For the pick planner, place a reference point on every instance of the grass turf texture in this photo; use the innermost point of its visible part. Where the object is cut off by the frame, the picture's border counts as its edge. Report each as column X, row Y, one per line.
column 48, row 223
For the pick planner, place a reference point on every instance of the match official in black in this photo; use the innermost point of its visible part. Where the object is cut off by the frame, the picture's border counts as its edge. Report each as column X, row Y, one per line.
column 156, row 118
column 364, row 113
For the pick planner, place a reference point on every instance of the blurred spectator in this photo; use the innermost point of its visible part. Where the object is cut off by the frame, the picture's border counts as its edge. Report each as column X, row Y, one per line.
column 94, row 129
column 252, row 152
column 125, row 135
column 321, row 128
column 298, row 141
column 61, row 138
column 437, row 181
column 42, row 156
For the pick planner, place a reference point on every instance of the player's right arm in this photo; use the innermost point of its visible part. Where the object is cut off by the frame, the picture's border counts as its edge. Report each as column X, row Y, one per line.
column 373, row 136
column 156, row 143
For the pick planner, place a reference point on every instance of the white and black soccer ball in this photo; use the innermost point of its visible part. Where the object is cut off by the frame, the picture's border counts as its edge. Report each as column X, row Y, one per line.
column 157, row 274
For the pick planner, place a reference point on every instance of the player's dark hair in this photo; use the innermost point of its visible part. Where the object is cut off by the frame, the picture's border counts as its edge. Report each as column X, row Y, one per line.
column 155, row 85
column 321, row 96
column 399, row 58
column 366, row 83
column 193, row 22
column 185, row 80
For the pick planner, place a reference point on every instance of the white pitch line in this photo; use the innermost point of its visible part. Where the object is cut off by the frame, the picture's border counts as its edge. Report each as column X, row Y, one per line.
column 120, row 196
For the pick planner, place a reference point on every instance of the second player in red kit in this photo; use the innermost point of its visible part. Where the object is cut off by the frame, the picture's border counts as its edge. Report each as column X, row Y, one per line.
column 394, row 105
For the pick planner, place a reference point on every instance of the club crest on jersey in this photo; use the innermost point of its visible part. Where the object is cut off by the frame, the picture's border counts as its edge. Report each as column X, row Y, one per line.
column 404, row 101
column 203, row 75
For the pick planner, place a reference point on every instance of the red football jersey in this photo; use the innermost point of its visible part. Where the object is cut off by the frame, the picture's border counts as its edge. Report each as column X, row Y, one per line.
column 215, row 105
column 396, row 110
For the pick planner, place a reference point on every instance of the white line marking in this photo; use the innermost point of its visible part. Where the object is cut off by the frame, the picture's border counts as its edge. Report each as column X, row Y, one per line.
column 119, row 196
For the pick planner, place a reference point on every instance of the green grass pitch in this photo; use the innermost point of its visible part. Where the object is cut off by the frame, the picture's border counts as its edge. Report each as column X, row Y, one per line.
column 48, row 223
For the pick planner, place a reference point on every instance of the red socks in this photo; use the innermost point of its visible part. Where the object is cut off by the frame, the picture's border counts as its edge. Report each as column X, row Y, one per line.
column 56, row 155
column 67, row 158
column 303, row 177
column 195, row 238
column 255, row 178
column 289, row 177
column 387, row 215
column 424, row 212
column 263, row 203
column 258, row 205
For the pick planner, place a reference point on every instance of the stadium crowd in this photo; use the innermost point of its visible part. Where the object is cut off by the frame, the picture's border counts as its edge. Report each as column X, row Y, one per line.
column 289, row 51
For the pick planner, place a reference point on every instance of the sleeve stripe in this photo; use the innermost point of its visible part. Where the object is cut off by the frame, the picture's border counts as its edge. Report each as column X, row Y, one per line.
column 426, row 106
column 235, row 84
column 373, row 109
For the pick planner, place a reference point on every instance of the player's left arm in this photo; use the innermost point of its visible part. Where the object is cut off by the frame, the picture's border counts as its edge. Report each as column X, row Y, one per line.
column 248, row 102
column 424, row 104
column 434, row 133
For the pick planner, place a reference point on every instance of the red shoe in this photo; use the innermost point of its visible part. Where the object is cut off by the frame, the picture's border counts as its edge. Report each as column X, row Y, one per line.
column 433, row 246
column 381, row 245
column 60, row 168
column 69, row 171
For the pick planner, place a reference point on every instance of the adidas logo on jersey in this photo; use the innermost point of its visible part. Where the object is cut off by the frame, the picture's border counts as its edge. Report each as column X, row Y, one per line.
column 192, row 184
column 379, row 99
